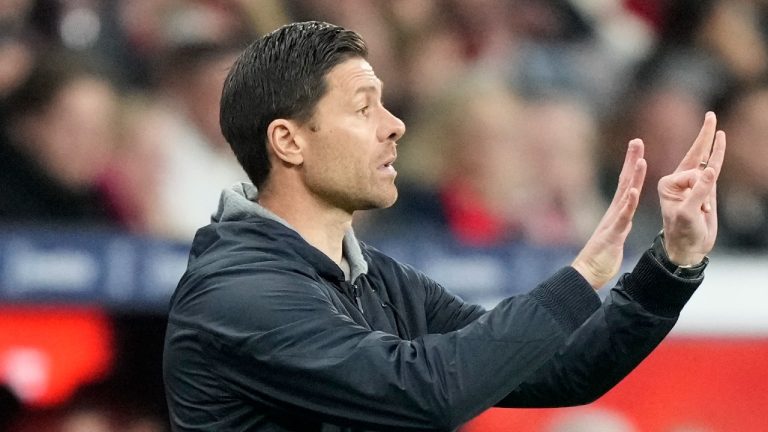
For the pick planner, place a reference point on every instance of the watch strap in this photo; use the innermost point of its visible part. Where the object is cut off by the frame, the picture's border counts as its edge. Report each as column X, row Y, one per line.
column 659, row 252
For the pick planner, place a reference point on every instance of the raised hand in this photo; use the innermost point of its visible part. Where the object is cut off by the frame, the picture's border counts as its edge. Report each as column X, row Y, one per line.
column 600, row 259
column 688, row 197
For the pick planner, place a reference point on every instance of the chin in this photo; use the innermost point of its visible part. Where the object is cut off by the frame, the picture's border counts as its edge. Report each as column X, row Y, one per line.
column 388, row 204
column 389, row 200
column 379, row 202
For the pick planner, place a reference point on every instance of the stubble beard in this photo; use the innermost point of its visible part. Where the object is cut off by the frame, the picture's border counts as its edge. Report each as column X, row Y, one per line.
column 361, row 199
column 353, row 192
column 372, row 199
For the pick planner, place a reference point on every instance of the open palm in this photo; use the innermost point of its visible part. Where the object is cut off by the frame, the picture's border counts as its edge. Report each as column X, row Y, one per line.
column 600, row 259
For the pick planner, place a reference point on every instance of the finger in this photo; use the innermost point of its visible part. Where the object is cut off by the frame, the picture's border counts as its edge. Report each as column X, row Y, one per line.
column 638, row 176
column 635, row 183
column 631, row 192
column 624, row 220
column 709, row 205
column 711, row 216
column 678, row 181
column 702, row 145
column 635, row 150
column 702, row 190
column 718, row 153
column 716, row 162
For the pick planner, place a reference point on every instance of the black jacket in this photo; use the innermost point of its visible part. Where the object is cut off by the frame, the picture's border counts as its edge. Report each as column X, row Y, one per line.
column 265, row 334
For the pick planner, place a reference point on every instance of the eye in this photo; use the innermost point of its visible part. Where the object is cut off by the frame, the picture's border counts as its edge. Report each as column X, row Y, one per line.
column 364, row 110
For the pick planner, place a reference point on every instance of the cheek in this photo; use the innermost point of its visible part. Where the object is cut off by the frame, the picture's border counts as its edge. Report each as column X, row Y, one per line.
column 327, row 164
column 347, row 149
column 342, row 150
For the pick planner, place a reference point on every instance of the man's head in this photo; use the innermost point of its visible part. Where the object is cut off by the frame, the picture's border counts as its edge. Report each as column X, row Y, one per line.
column 281, row 75
column 303, row 97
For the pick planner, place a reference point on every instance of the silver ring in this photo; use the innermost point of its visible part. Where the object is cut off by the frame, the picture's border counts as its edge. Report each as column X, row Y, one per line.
column 703, row 164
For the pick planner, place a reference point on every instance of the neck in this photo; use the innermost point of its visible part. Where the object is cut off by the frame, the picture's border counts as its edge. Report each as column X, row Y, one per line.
column 321, row 225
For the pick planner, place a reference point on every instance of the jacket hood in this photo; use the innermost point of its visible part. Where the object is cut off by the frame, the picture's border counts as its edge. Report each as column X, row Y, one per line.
column 241, row 202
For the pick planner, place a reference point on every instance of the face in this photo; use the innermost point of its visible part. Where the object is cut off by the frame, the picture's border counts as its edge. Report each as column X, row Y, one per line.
column 73, row 136
column 349, row 146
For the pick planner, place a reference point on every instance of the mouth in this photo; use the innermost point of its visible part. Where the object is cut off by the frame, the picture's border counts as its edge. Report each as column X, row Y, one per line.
column 388, row 164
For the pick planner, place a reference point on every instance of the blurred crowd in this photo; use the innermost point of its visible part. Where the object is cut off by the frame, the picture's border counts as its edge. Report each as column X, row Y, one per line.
column 518, row 111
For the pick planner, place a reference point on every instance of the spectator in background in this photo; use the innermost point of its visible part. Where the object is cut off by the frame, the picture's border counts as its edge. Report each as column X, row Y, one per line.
column 58, row 139
column 470, row 151
column 689, row 71
column 420, row 47
column 475, row 200
column 729, row 32
column 485, row 142
column 744, row 185
column 704, row 49
column 197, row 159
column 16, row 53
column 16, row 58
column 568, row 203
column 144, row 135
column 665, row 111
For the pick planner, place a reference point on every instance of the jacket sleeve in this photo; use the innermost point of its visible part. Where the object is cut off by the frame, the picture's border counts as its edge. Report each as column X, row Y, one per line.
column 279, row 341
column 636, row 316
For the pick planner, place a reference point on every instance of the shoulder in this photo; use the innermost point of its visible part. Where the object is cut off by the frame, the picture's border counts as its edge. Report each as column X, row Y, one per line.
column 394, row 274
column 247, row 298
column 239, row 268
column 224, row 245
column 379, row 262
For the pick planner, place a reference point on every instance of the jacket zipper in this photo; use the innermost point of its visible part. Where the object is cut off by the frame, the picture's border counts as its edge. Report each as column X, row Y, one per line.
column 356, row 292
column 351, row 291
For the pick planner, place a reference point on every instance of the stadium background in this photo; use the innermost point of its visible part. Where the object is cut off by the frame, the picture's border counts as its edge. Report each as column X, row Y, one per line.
column 518, row 112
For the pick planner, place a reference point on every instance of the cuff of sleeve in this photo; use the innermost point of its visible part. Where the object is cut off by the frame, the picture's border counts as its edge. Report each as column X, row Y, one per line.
column 569, row 298
column 659, row 252
column 656, row 289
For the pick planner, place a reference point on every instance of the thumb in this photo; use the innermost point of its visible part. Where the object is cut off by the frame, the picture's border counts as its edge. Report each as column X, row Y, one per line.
column 679, row 181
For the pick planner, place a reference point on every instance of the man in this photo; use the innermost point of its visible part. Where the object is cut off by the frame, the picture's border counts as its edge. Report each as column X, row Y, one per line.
column 284, row 322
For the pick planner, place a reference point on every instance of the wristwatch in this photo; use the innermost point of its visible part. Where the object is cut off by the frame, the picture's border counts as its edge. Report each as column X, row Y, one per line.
column 659, row 252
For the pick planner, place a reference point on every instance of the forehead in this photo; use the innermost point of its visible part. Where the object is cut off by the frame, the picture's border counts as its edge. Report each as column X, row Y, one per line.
column 351, row 75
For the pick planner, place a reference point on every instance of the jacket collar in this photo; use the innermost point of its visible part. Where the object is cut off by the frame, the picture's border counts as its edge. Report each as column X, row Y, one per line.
column 240, row 202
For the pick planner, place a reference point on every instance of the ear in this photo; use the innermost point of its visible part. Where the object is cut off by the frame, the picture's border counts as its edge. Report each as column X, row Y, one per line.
column 282, row 140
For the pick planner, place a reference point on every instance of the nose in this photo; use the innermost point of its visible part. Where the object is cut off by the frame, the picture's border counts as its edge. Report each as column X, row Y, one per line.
column 392, row 127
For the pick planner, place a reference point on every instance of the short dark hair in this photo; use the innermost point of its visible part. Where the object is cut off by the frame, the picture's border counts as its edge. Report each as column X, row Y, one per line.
column 280, row 75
